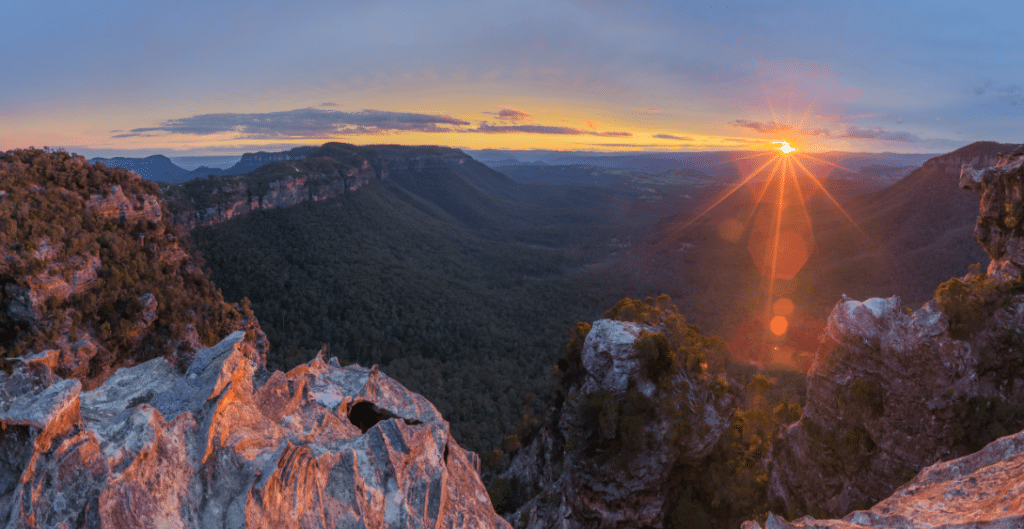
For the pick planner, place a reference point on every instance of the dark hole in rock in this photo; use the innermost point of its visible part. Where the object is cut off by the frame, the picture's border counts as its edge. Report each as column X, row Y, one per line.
column 563, row 365
column 142, row 399
column 446, row 454
column 365, row 414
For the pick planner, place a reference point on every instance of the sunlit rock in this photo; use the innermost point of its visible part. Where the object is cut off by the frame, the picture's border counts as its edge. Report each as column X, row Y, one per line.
column 228, row 445
column 983, row 489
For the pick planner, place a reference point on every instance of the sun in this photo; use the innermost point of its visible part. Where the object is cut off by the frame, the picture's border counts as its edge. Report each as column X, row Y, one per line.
column 786, row 147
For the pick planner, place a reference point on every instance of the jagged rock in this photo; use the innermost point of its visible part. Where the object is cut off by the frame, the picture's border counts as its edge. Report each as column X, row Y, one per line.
column 59, row 280
column 577, row 482
column 979, row 490
column 892, row 391
column 224, row 446
column 116, row 205
column 1000, row 228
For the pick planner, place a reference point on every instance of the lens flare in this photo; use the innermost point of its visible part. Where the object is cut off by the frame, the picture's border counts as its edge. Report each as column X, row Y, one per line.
column 779, row 325
column 783, row 307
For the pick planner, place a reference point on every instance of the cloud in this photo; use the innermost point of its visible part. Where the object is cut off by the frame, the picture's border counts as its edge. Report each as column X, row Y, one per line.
column 774, row 127
column 880, row 134
column 329, row 104
column 543, row 129
column 510, row 114
column 671, row 137
column 303, row 123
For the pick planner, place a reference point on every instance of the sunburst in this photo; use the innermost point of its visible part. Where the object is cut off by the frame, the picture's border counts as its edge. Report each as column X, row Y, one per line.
column 781, row 234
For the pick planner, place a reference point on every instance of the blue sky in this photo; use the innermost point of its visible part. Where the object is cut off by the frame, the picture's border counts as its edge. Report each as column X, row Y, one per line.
column 188, row 77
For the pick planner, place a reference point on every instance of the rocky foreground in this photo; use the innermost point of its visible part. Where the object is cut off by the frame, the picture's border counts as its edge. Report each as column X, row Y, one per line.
column 228, row 445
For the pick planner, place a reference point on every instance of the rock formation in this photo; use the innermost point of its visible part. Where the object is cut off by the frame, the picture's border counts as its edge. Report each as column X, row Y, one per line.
column 286, row 179
column 1000, row 228
column 892, row 391
column 983, row 489
column 604, row 457
column 228, row 445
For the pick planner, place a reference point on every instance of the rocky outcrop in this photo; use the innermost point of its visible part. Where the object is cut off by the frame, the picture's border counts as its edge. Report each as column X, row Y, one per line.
column 1000, row 228
column 979, row 490
column 604, row 458
column 115, row 205
column 892, row 391
column 226, row 444
column 58, row 281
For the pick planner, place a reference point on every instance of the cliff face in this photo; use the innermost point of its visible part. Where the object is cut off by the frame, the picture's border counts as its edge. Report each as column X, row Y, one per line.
column 892, row 391
column 206, row 202
column 1000, row 228
column 227, row 444
column 605, row 456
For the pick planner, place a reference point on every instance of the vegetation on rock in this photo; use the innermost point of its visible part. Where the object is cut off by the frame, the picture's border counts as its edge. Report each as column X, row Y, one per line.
column 52, row 233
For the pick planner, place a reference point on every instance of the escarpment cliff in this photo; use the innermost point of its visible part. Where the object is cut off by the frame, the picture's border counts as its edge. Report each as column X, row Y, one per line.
column 226, row 445
column 637, row 399
column 893, row 391
column 322, row 173
column 93, row 272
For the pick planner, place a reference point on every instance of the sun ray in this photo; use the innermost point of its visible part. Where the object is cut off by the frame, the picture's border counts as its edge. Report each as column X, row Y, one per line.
column 800, row 126
column 830, row 197
column 778, row 232
column 723, row 197
column 760, row 198
column 815, row 158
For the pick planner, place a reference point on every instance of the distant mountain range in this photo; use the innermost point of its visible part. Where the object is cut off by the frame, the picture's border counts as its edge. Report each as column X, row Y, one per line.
column 717, row 163
column 884, row 168
column 159, row 168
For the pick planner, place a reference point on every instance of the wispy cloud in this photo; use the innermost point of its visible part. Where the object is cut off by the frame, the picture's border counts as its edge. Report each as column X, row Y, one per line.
column 774, row 127
column 543, row 129
column 510, row 114
column 880, row 134
column 302, row 123
column 671, row 137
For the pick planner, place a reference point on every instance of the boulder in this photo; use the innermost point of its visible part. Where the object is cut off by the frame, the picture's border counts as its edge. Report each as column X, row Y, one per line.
column 228, row 445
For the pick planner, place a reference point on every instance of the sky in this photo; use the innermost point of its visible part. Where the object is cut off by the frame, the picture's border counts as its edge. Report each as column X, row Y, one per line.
column 134, row 78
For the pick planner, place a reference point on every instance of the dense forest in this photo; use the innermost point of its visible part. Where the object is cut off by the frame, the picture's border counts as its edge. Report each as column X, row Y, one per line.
column 471, row 323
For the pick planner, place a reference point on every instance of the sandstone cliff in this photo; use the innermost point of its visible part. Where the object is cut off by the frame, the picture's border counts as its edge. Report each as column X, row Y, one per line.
column 626, row 419
column 228, row 445
column 892, row 390
column 322, row 173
